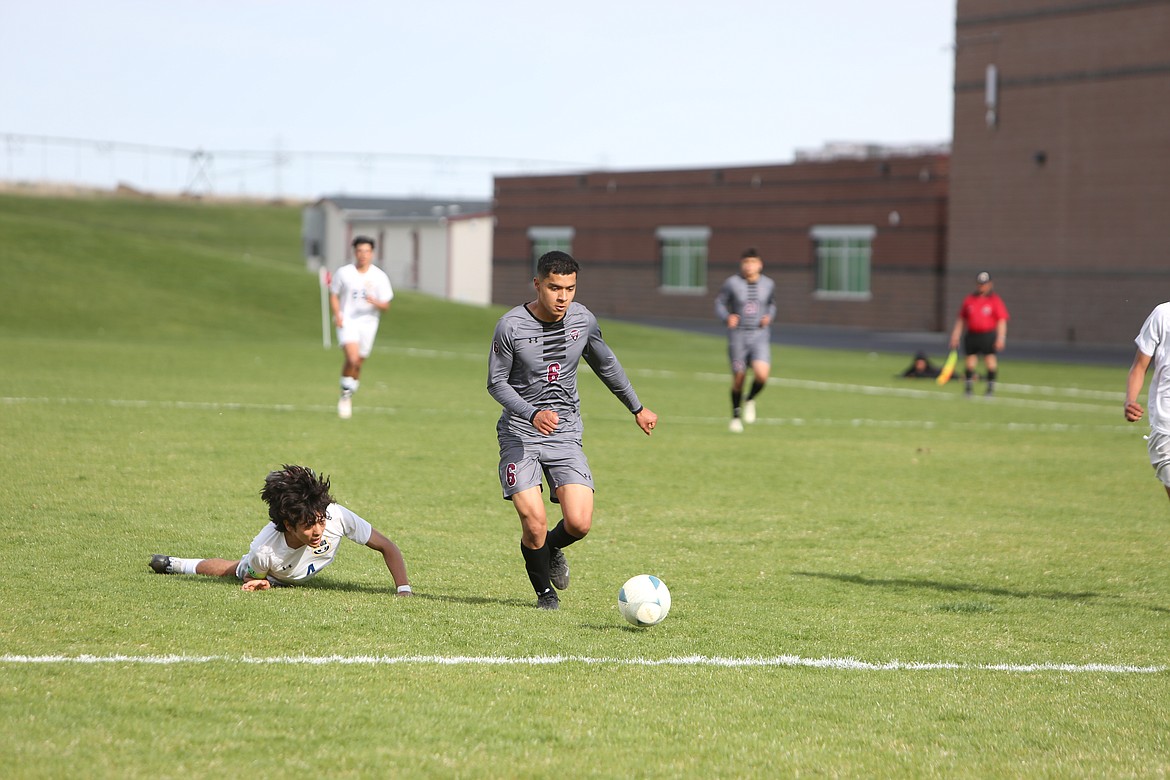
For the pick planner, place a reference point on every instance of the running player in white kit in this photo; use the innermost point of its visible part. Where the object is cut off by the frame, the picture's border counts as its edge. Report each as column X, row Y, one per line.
column 1152, row 347
column 358, row 294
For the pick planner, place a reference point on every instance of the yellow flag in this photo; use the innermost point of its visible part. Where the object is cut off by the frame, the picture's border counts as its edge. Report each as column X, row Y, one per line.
column 948, row 368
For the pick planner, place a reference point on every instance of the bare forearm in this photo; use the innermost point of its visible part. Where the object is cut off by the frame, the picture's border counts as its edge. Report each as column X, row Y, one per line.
column 1133, row 385
column 396, row 564
column 956, row 332
column 391, row 555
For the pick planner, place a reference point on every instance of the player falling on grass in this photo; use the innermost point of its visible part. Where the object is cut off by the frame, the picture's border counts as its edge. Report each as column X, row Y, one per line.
column 302, row 539
column 1152, row 346
column 532, row 373
column 358, row 294
column 747, row 305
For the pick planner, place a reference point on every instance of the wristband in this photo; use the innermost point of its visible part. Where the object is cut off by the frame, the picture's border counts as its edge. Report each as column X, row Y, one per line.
column 638, row 411
column 404, row 589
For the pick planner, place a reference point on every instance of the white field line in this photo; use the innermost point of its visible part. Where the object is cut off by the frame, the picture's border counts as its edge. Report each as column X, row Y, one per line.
column 1115, row 398
column 845, row 664
column 796, row 422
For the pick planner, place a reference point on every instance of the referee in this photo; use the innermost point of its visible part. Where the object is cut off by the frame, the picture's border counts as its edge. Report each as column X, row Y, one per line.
column 985, row 317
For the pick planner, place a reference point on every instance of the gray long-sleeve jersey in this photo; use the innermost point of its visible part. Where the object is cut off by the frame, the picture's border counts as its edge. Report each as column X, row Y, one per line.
column 533, row 366
column 750, row 301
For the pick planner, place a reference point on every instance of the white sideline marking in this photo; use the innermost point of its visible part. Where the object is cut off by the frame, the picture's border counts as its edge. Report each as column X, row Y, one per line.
column 847, row 664
column 853, row 422
column 952, row 395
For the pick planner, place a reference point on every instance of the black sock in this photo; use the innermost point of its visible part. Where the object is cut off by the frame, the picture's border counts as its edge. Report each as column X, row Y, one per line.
column 970, row 379
column 991, row 375
column 757, row 388
column 536, row 562
column 736, row 402
column 560, row 537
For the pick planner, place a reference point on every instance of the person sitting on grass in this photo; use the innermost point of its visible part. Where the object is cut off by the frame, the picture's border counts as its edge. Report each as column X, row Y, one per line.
column 302, row 539
column 921, row 368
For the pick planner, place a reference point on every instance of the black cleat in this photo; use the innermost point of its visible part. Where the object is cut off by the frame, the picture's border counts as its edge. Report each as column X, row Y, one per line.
column 558, row 568
column 548, row 600
column 161, row 564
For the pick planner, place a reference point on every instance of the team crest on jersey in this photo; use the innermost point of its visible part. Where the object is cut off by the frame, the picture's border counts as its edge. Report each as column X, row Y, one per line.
column 496, row 347
column 322, row 548
column 574, row 334
column 749, row 307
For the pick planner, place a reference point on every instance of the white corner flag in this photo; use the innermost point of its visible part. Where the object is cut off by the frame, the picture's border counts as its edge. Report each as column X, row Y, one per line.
column 325, row 278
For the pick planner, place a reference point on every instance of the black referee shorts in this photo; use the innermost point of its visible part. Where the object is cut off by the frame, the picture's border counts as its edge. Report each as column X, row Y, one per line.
column 980, row 343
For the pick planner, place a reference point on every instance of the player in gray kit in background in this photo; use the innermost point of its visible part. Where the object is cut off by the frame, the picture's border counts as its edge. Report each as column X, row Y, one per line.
column 532, row 373
column 747, row 305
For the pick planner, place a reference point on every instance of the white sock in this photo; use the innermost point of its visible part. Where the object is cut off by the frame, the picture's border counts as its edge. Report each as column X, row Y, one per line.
column 349, row 386
column 184, row 565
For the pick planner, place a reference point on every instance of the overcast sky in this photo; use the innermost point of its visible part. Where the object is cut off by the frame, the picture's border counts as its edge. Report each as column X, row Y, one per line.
column 438, row 95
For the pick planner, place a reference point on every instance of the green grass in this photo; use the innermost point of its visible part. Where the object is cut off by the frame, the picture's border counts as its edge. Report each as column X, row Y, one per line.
column 160, row 358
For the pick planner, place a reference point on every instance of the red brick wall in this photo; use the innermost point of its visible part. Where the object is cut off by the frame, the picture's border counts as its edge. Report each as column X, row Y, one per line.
column 615, row 217
column 1066, row 200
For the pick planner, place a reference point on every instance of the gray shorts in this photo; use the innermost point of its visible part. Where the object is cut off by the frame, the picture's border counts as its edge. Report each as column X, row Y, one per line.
column 745, row 347
column 524, row 462
column 1159, row 446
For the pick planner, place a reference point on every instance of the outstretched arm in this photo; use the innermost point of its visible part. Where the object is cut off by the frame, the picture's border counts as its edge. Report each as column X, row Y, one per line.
column 393, row 557
column 253, row 584
column 1133, row 387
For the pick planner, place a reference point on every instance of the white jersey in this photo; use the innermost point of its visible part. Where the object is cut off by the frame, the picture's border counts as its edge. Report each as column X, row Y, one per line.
column 1152, row 341
column 271, row 557
column 353, row 287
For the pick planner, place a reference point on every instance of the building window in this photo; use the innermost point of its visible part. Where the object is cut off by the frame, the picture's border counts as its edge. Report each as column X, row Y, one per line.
column 843, row 260
column 683, row 251
column 549, row 239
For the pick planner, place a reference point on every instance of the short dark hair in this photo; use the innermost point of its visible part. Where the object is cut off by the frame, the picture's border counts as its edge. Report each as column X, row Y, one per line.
column 751, row 251
column 295, row 495
column 363, row 240
column 556, row 262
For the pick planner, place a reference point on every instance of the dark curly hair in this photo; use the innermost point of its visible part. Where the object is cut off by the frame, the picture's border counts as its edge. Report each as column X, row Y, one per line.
column 556, row 262
column 296, row 495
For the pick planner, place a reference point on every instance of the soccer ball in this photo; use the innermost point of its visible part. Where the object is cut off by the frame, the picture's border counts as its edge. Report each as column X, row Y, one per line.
column 644, row 600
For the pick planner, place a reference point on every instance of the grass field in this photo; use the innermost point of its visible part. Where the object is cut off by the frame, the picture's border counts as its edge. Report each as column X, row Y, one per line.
column 880, row 578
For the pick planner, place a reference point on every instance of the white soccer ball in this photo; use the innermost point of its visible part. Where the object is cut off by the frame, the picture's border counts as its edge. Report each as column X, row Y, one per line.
column 644, row 600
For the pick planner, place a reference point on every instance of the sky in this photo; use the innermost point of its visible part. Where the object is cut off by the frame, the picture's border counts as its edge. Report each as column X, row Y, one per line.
column 304, row 99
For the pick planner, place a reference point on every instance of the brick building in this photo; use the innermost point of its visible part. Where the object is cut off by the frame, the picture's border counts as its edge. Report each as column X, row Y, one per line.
column 1060, row 168
column 1058, row 182
column 857, row 242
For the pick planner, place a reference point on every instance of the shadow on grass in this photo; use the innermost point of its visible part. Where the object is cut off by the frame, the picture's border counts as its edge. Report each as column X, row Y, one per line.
column 952, row 587
column 622, row 627
column 354, row 587
column 389, row 591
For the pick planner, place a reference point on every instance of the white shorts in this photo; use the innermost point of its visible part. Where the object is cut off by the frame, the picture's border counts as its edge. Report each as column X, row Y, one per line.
column 1159, row 445
column 360, row 331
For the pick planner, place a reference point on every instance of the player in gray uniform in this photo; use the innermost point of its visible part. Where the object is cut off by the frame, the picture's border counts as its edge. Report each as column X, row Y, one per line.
column 747, row 305
column 532, row 373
